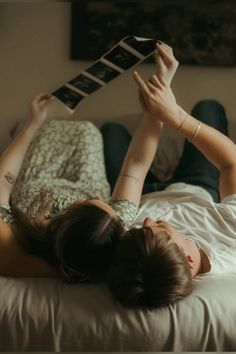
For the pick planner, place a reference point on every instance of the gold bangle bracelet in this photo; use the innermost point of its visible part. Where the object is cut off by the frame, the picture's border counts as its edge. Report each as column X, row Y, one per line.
column 181, row 124
column 195, row 133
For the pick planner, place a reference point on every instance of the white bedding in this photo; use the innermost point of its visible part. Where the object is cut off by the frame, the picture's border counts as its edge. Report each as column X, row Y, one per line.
column 49, row 315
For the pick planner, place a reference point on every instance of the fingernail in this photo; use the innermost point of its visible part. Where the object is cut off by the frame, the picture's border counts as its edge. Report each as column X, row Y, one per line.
column 159, row 42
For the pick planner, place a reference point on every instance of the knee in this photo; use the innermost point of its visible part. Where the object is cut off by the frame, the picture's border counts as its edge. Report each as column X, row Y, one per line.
column 86, row 129
column 113, row 128
column 212, row 113
column 208, row 105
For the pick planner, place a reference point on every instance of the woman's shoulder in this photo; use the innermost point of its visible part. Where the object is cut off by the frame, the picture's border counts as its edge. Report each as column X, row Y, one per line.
column 15, row 261
column 5, row 229
column 6, row 235
column 5, row 213
column 7, row 239
column 6, row 243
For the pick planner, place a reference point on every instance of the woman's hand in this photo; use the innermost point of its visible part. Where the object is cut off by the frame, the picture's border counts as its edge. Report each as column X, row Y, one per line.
column 166, row 66
column 39, row 108
column 158, row 100
column 166, row 63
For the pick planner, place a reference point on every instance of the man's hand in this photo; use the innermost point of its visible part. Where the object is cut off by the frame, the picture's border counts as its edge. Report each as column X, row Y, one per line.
column 157, row 99
column 39, row 108
column 166, row 66
column 166, row 63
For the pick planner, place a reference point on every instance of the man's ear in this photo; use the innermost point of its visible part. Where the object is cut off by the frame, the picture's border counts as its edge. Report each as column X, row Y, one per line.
column 190, row 261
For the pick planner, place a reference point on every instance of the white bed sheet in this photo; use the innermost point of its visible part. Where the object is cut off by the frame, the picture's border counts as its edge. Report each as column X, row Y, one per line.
column 49, row 315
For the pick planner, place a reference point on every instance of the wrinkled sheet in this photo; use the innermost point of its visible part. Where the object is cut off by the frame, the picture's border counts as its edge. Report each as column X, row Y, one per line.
column 49, row 315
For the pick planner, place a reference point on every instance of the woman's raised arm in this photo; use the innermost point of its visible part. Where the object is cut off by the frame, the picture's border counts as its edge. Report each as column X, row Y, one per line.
column 11, row 159
column 144, row 144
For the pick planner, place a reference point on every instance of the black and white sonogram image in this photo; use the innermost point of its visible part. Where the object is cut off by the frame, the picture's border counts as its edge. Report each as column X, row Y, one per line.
column 105, row 69
column 69, row 97
column 143, row 46
column 103, row 72
column 85, row 84
column 121, row 57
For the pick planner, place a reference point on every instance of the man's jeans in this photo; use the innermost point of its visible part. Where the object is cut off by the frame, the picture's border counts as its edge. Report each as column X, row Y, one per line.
column 193, row 167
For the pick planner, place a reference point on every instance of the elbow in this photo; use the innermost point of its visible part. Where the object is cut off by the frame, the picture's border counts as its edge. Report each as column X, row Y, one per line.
column 228, row 168
column 227, row 165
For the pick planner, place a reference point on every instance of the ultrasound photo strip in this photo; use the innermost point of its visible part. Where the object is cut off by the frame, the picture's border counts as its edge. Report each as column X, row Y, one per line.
column 125, row 54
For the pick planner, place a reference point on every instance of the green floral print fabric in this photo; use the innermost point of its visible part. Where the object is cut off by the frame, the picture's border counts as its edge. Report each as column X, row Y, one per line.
column 64, row 163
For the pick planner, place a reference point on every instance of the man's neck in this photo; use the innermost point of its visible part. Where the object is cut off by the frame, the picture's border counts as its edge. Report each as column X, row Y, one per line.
column 197, row 256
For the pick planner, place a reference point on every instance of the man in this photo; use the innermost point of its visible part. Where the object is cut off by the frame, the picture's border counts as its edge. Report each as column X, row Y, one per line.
column 181, row 230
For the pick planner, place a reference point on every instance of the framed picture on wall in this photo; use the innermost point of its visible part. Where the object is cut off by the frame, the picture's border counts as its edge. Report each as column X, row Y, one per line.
column 201, row 32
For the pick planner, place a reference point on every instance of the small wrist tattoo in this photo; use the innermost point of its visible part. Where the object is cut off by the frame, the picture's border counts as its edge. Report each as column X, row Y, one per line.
column 10, row 178
column 126, row 175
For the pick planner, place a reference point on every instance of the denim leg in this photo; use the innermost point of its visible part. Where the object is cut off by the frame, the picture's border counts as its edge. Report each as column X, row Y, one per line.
column 116, row 140
column 194, row 168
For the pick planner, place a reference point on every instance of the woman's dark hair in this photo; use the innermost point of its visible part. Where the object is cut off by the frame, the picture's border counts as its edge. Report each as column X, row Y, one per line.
column 149, row 271
column 83, row 238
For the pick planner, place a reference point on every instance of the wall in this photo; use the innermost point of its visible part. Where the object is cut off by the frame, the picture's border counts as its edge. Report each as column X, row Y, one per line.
column 34, row 47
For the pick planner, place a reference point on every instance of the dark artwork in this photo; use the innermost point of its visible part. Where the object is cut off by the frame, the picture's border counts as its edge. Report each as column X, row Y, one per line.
column 85, row 84
column 102, row 72
column 69, row 97
column 201, row 32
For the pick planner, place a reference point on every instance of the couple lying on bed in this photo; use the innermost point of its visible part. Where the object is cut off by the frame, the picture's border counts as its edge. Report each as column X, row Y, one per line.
column 57, row 218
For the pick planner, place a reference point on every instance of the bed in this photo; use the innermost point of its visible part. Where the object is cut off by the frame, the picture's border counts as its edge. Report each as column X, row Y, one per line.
column 49, row 315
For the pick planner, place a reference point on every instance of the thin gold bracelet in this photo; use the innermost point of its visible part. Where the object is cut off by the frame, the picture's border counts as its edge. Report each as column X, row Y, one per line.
column 195, row 133
column 181, row 124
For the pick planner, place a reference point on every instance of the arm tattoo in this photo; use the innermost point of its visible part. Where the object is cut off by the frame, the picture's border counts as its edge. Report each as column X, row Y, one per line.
column 10, row 178
column 126, row 175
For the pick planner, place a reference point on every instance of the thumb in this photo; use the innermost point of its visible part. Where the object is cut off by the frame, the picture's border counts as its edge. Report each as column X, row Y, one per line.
column 47, row 100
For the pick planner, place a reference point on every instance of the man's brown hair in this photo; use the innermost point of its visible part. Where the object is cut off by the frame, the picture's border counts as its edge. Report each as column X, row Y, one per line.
column 148, row 270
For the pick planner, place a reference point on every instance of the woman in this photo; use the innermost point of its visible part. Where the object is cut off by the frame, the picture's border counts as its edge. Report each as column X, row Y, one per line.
column 52, row 224
column 186, row 226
